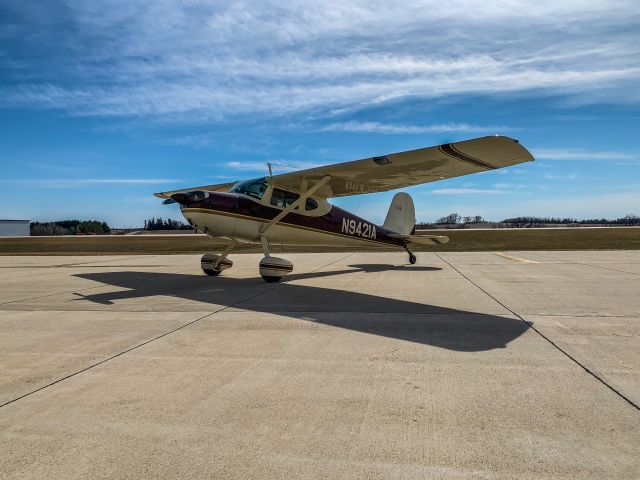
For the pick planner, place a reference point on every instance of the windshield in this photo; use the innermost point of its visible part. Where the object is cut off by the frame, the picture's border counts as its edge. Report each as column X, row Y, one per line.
column 252, row 188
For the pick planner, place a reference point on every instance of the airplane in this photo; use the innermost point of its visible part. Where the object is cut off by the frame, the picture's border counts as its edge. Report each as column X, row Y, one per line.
column 293, row 208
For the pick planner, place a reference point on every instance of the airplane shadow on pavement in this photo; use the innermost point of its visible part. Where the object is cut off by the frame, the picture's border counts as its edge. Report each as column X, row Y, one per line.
column 422, row 323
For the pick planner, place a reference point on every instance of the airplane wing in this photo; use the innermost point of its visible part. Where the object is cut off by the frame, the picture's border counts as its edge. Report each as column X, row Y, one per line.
column 396, row 170
column 219, row 187
column 404, row 169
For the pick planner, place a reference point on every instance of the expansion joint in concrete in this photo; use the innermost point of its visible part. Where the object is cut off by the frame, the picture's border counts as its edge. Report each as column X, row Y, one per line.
column 119, row 354
column 551, row 342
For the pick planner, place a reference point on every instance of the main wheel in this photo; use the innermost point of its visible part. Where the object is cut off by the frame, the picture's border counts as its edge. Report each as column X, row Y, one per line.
column 272, row 269
column 213, row 266
column 211, row 273
column 270, row 279
column 412, row 258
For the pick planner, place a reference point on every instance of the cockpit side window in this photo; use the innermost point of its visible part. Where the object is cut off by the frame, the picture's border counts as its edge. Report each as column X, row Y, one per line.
column 251, row 188
column 282, row 198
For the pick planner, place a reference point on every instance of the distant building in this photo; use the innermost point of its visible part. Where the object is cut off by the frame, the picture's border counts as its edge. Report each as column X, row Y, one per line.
column 14, row 228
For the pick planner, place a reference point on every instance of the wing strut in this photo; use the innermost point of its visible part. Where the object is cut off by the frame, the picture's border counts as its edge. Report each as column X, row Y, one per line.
column 226, row 253
column 303, row 197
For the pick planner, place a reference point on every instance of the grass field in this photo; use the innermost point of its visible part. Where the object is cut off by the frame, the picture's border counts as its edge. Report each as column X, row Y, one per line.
column 461, row 241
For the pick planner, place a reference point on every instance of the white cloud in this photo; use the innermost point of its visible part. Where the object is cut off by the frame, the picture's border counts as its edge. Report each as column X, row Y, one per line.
column 509, row 186
column 606, row 205
column 78, row 182
column 386, row 128
column 580, row 154
column 201, row 140
column 467, row 191
column 569, row 176
column 278, row 166
column 198, row 60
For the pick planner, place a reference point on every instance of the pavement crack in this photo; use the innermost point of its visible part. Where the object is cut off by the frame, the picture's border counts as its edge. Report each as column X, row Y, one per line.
column 146, row 342
column 551, row 342
column 157, row 337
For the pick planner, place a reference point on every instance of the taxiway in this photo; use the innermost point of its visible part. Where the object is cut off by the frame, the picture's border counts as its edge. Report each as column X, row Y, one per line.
column 466, row 365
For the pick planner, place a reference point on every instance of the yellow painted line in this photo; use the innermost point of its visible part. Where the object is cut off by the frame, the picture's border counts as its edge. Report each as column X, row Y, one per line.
column 523, row 261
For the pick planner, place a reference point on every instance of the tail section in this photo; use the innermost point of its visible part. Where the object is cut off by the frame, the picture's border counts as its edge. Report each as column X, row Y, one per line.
column 401, row 217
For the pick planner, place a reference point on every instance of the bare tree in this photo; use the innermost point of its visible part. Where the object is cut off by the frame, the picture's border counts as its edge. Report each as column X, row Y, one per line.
column 452, row 218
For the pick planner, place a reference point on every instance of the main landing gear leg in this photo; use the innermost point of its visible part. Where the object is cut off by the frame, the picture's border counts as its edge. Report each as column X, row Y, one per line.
column 213, row 264
column 412, row 257
column 265, row 245
column 272, row 269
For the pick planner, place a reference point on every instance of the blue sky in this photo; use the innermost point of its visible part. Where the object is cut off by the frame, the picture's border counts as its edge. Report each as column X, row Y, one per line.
column 103, row 103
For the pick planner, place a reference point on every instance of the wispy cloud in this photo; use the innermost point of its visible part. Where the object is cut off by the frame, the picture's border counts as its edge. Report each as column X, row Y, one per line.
column 79, row 182
column 201, row 140
column 468, row 191
column 581, row 155
column 57, row 168
column 202, row 60
column 569, row 176
column 600, row 205
column 279, row 166
column 386, row 128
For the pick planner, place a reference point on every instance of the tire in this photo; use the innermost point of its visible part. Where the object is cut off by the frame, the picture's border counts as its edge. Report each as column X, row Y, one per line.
column 211, row 273
column 269, row 279
column 412, row 259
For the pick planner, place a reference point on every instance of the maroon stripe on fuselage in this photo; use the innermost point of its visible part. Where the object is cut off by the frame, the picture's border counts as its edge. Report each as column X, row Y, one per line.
column 332, row 222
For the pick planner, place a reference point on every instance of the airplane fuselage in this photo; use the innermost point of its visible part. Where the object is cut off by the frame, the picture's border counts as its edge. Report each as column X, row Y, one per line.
column 238, row 217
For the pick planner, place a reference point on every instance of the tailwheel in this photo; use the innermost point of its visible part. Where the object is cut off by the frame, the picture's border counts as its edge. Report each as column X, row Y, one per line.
column 412, row 257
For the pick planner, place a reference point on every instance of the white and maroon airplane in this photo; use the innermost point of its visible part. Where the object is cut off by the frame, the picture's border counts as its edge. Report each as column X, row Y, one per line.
column 293, row 208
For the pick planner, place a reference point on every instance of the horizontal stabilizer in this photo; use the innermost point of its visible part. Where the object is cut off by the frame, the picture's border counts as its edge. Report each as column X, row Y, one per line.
column 423, row 239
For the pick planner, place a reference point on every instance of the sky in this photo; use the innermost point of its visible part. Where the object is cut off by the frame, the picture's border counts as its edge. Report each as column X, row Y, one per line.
column 104, row 103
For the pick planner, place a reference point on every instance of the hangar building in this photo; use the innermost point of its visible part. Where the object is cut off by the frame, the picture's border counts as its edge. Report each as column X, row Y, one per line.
column 14, row 228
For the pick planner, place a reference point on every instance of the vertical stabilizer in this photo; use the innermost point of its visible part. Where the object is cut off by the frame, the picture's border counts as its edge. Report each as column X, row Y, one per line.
column 401, row 217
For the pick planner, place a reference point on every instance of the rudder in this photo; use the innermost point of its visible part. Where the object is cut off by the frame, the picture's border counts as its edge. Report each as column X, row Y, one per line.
column 401, row 217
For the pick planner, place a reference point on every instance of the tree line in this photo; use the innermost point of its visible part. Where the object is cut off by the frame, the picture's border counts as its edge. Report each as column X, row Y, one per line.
column 629, row 220
column 70, row 227
column 168, row 224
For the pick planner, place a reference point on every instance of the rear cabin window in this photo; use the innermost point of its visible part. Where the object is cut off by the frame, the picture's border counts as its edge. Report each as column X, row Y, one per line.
column 251, row 188
column 311, row 204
